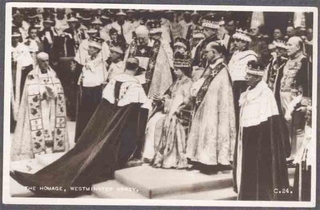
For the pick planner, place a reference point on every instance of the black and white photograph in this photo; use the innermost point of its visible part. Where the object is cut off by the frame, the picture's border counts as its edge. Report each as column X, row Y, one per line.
column 141, row 104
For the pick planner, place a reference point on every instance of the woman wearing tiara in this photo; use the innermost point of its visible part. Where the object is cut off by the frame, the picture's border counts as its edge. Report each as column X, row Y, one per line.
column 171, row 150
column 163, row 103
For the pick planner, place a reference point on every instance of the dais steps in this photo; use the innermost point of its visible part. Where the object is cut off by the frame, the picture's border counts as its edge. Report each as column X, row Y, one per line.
column 144, row 182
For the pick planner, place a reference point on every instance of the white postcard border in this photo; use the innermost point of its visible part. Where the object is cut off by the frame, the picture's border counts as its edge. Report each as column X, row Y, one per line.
column 7, row 199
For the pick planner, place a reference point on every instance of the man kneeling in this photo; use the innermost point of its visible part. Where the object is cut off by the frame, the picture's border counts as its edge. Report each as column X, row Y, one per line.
column 105, row 145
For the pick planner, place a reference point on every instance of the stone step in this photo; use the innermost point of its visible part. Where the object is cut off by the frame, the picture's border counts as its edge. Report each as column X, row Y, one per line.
column 144, row 182
column 116, row 190
column 152, row 182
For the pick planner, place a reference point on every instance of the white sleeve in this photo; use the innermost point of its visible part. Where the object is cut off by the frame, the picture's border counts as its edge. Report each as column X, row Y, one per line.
column 105, row 51
column 108, row 92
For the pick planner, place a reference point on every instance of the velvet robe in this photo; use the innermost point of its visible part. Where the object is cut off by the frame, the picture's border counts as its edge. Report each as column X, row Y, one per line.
column 261, row 149
column 110, row 139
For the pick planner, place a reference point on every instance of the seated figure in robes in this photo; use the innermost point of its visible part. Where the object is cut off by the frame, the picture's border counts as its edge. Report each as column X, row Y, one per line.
column 104, row 146
column 210, row 143
column 171, row 148
column 161, row 107
column 42, row 124
column 262, row 146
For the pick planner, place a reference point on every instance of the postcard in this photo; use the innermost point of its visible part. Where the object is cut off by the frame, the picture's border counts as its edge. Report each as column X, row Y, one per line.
column 160, row 105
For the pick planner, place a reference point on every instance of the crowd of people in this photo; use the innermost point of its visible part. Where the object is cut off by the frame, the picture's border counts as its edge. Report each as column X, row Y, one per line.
column 207, row 91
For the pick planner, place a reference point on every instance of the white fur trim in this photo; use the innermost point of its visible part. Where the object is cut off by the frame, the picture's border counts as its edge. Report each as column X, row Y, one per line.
column 257, row 105
column 242, row 37
column 130, row 92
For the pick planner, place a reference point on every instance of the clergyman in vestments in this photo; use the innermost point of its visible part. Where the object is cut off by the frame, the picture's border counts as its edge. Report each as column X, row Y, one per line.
column 105, row 145
column 42, row 125
column 210, row 143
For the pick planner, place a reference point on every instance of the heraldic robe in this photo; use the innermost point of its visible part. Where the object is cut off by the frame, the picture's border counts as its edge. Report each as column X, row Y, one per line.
column 262, row 147
column 170, row 148
column 213, row 132
column 104, row 146
column 42, row 120
column 153, row 59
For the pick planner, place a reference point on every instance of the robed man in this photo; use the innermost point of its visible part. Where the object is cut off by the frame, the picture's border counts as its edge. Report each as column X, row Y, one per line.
column 262, row 144
column 42, row 124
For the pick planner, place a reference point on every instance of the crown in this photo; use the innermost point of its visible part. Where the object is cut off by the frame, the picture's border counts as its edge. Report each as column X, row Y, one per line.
column 154, row 26
column 182, row 60
column 210, row 21
column 242, row 35
column 179, row 41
